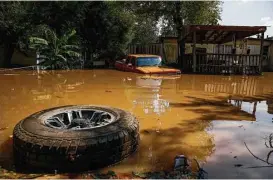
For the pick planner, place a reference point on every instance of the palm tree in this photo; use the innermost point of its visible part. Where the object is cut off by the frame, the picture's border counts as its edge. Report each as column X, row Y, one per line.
column 55, row 52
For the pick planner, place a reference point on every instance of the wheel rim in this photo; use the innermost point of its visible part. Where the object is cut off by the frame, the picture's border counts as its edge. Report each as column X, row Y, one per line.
column 80, row 119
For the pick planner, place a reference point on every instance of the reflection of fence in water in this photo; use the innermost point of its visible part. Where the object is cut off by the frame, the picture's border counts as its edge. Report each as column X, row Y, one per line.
column 248, row 86
column 245, row 87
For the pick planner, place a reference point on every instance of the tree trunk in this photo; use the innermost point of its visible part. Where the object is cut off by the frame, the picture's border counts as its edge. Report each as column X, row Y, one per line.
column 89, row 63
column 178, row 21
column 8, row 52
column 9, row 42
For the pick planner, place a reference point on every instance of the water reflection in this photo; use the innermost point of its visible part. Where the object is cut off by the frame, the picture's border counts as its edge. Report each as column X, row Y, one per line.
column 163, row 133
column 243, row 149
column 150, row 101
column 235, row 85
column 269, row 106
column 262, row 110
column 230, row 139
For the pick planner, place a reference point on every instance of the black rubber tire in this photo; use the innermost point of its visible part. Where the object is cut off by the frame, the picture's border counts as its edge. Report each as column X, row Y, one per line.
column 38, row 146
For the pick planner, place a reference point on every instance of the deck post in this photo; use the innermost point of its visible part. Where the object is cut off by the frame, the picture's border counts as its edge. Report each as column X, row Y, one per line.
column 261, row 53
column 179, row 55
column 234, row 68
column 235, row 42
column 218, row 58
column 194, row 51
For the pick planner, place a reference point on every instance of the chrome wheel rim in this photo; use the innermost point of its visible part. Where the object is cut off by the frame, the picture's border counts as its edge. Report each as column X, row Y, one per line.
column 80, row 119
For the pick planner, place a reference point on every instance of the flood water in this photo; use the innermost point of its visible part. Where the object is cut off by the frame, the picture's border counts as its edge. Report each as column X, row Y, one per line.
column 210, row 118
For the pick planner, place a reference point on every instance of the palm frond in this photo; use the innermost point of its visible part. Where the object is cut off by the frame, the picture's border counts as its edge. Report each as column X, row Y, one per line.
column 56, row 51
column 35, row 46
column 61, row 57
column 72, row 53
column 46, row 32
column 45, row 62
column 38, row 41
column 66, row 47
column 65, row 39
column 71, row 34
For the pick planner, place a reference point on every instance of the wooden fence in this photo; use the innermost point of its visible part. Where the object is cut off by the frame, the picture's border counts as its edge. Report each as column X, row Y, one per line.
column 155, row 48
column 209, row 63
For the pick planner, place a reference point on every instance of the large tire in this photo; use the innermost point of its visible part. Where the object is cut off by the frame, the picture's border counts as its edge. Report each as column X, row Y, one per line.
column 41, row 147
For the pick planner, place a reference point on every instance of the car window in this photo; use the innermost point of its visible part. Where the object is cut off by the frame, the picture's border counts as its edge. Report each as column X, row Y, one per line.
column 148, row 61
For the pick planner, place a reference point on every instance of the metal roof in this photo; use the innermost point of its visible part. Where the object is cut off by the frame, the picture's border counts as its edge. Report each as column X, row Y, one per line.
column 258, row 39
column 216, row 34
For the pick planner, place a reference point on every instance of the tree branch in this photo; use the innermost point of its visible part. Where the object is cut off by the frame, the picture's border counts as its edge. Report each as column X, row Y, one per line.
column 256, row 156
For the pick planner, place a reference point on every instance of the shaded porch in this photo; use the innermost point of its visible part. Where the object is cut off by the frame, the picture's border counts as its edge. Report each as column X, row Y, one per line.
column 198, row 61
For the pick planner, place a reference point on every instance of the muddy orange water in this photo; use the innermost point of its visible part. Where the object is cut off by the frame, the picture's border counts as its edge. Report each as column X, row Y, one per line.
column 209, row 118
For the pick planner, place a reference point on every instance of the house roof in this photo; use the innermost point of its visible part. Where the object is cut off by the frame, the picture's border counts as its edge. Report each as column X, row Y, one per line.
column 258, row 39
column 215, row 34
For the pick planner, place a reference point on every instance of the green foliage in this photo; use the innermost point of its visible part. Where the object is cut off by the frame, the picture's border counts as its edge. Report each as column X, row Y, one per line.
column 13, row 17
column 203, row 12
column 107, row 29
column 172, row 15
column 104, row 28
column 145, row 30
column 59, row 15
column 57, row 52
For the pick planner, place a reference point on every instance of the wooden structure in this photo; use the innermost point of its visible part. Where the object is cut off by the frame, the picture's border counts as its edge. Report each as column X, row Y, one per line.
column 153, row 48
column 216, row 63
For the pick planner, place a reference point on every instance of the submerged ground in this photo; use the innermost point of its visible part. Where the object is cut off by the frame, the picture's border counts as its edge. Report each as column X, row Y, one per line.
column 209, row 118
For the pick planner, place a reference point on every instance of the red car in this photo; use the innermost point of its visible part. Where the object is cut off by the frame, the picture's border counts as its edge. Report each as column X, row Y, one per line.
column 144, row 63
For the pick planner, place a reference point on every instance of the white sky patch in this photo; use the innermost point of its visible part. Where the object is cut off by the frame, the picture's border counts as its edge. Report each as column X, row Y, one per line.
column 242, row 2
column 248, row 13
column 267, row 21
column 264, row 19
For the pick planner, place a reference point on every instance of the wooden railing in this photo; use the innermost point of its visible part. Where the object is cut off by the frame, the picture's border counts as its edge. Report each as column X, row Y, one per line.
column 222, row 63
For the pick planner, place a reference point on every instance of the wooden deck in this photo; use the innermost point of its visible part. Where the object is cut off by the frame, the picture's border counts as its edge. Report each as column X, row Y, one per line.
column 233, row 63
column 209, row 63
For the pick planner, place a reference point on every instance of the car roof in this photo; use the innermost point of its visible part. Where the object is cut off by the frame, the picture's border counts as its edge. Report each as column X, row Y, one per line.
column 143, row 55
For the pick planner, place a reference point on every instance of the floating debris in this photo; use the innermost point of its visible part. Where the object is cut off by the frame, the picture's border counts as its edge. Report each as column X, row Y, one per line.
column 2, row 129
column 146, row 132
